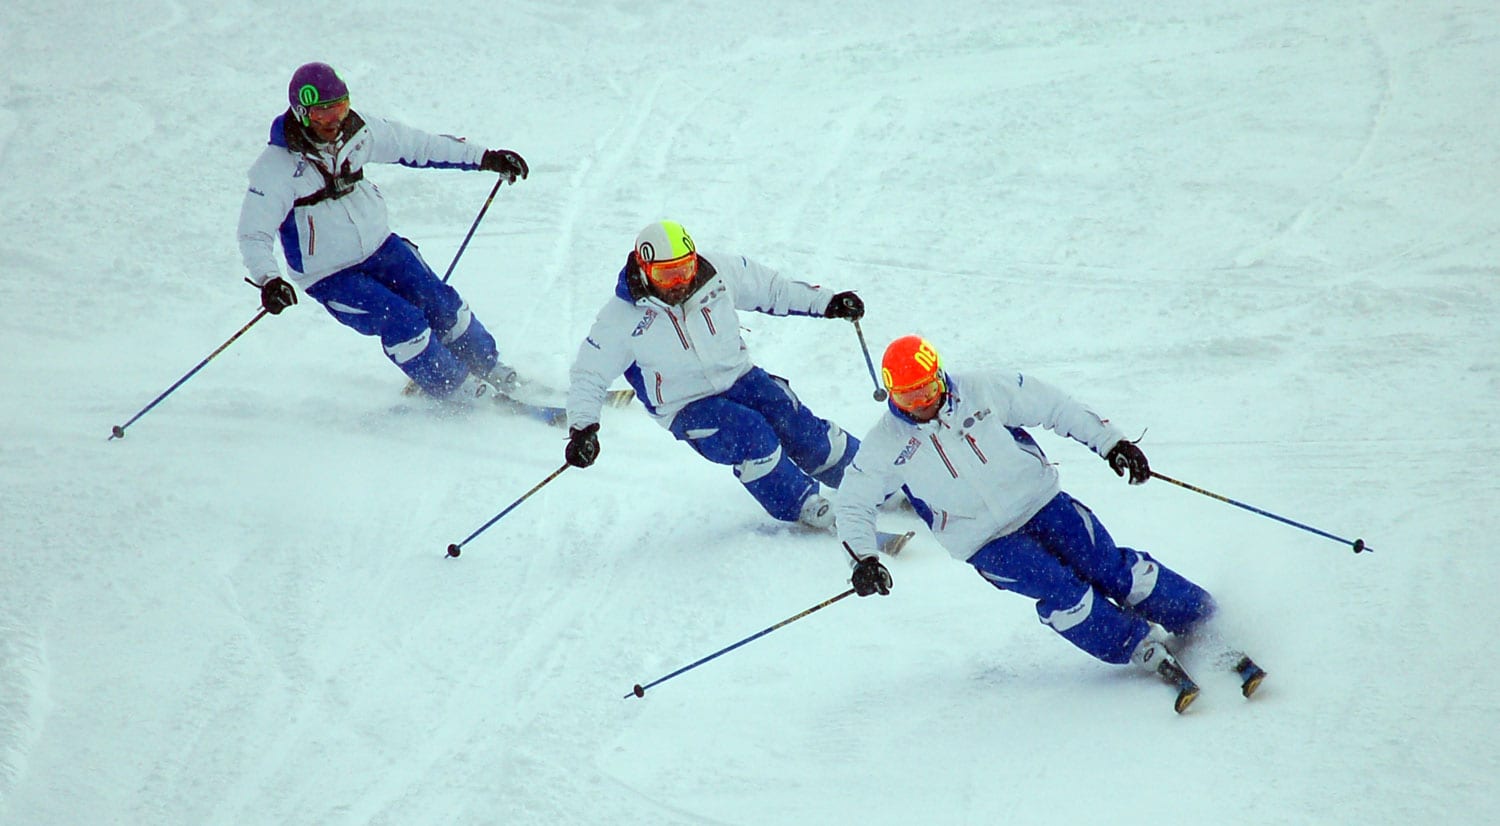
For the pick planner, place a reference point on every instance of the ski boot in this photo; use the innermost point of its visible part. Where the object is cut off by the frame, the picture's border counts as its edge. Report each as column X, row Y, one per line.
column 1154, row 656
column 816, row 513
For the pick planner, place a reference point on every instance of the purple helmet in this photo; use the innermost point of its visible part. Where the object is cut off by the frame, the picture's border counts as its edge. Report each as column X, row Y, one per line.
column 314, row 84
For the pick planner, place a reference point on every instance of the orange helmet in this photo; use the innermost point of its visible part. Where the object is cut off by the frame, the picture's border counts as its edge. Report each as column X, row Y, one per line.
column 912, row 373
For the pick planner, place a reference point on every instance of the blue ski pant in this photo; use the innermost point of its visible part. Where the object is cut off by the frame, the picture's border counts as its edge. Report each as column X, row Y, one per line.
column 779, row 449
column 1099, row 596
column 424, row 325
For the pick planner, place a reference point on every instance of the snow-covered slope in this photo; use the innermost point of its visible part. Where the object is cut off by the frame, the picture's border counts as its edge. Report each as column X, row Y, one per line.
column 1263, row 232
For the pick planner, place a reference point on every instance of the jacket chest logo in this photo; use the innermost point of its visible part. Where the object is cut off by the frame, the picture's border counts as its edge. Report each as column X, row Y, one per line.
column 301, row 168
column 644, row 324
column 912, row 445
column 978, row 416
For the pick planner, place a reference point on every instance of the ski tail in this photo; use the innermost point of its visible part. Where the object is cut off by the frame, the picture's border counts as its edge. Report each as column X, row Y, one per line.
column 891, row 544
column 1250, row 674
column 619, row 398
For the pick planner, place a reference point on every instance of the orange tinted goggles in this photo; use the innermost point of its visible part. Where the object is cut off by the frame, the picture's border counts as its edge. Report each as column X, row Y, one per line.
column 329, row 112
column 921, row 395
column 667, row 275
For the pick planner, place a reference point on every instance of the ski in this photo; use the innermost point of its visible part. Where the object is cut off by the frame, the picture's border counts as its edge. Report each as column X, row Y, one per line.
column 544, row 413
column 552, row 415
column 891, row 544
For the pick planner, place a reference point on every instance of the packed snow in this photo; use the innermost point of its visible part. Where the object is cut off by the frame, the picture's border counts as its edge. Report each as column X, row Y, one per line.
column 1262, row 234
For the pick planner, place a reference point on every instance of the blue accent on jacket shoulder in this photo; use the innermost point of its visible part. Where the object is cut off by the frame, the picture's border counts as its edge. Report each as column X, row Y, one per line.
column 622, row 287
column 278, row 131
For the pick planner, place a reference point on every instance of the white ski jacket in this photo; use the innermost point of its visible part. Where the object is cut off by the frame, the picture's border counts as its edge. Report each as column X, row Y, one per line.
column 974, row 474
column 676, row 355
column 321, row 238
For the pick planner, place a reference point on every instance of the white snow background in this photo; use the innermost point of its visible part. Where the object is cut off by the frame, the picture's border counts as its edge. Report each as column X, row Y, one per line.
column 1262, row 232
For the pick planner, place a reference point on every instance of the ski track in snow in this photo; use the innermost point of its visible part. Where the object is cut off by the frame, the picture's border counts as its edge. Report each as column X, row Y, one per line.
column 1260, row 233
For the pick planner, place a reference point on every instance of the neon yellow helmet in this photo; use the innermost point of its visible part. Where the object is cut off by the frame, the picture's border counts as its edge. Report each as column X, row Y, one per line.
column 662, row 241
column 668, row 259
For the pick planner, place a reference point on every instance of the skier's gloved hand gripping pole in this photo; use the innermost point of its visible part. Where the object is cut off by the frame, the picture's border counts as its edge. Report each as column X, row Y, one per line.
column 118, row 431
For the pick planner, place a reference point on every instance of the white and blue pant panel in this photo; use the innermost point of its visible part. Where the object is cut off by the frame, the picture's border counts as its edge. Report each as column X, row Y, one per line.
column 1099, row 596
column 425, row 326
column 778, row 448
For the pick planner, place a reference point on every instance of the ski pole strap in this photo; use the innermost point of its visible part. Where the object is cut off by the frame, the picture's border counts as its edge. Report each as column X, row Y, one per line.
column 1358, row 545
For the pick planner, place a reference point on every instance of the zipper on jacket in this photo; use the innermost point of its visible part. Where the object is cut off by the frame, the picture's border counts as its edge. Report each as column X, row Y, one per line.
column 975, row 446
column 658, row 388
column 710, row 322
column 943, row 455
column 681, row 336
column 312, row 237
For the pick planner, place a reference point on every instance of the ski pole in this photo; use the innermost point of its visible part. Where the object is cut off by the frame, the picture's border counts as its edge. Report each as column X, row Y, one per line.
column 640, row 690
column 457, row 547
column 472, row 227
column 865, row 348
column 1358, row 545
column 118, row 431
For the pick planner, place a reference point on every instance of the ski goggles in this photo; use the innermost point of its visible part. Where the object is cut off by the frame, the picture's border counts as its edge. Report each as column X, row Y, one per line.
column 330, row 113
column 669, row 275
column 920, row 395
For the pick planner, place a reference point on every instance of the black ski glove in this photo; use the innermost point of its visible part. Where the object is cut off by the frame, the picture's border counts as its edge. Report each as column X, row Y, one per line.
column 845, row 305
column 870, row 576
column 1126, row 456
column 276, row 295
column 583, row 446
column 506, row 162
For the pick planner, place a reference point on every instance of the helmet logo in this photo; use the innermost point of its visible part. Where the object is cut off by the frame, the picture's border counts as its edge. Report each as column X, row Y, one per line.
column 307, row 95
column 925, row 356
column 647, row 251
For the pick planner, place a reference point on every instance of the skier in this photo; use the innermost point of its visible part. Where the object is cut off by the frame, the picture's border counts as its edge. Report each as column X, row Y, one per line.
column 989, row 495
column 308, row 188
column 672, row 329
